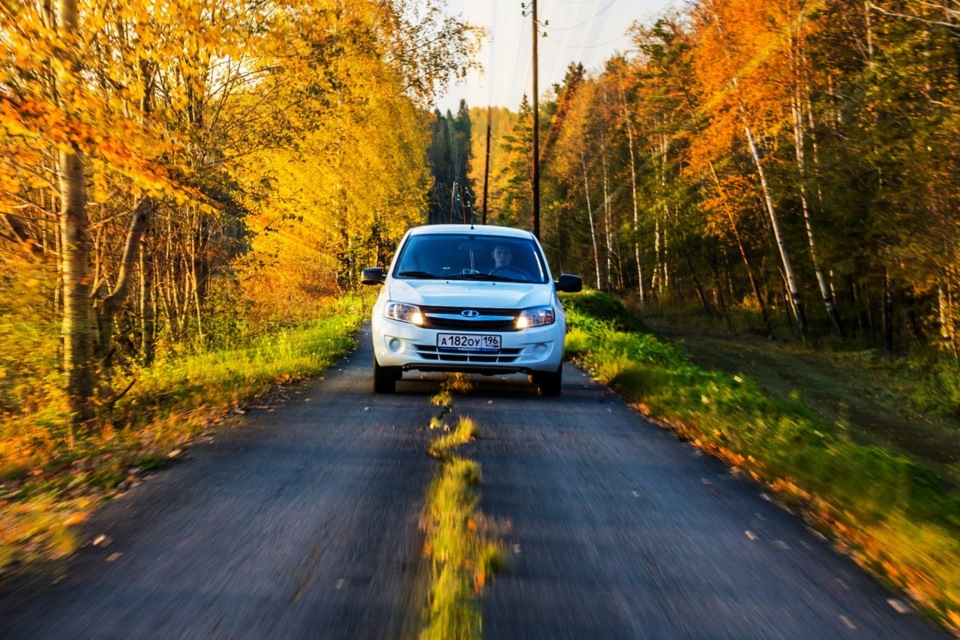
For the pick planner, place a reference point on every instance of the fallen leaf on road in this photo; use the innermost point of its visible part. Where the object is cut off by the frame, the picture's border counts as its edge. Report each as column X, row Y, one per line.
column 898, row 605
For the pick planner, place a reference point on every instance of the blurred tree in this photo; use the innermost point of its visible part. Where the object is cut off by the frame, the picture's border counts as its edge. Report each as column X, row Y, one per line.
column 164, row 138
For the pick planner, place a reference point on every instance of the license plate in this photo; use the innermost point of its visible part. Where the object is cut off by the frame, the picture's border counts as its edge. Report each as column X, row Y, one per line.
column 468, row 342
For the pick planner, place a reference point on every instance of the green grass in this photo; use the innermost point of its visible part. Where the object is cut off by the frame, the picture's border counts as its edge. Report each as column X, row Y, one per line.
column 464, row 432
column 51, row 477
column 461, row 549
column 463, row 546
column 899, row 514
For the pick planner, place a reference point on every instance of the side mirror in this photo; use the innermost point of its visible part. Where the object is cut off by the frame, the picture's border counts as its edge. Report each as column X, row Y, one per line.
column 373, row 275
column 569, row 283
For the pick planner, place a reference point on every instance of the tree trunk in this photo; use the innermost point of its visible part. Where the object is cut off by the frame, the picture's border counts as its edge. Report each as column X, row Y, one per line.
column 78, row 326
column 633, row 193
column 593, row 234
column 794, row 294
column 148, row 311
column 111, row 304
column 607, row 234
column 664, row 151
column 790, row 280
column 946, row 321
column 79, row 332
column 698, row 287
column 730, row 217
column 656, row 284
column 764, row 316
column 886, row 313
column 796, row 109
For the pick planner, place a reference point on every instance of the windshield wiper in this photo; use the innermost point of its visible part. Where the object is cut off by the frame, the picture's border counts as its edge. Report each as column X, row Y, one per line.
column 417, row 274
column 484, row 276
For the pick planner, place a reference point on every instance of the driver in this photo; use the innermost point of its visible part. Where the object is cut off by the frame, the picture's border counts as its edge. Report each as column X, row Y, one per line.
column 502, row 256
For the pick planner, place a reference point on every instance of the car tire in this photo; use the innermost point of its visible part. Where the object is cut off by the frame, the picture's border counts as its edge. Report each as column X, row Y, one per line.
column 384, row 378
column 550, row 383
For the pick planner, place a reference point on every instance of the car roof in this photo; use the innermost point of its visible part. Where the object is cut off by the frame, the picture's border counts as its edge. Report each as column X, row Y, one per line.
column 479, row 229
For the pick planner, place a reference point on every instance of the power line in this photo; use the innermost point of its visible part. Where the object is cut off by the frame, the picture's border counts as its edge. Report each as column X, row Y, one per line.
column 613, row 2
column 592, row 46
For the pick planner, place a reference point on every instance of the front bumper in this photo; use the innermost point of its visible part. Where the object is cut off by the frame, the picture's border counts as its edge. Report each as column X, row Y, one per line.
column 404, row 345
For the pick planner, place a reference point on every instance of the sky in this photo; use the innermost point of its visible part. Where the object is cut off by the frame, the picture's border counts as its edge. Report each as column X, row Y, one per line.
column 586, row 31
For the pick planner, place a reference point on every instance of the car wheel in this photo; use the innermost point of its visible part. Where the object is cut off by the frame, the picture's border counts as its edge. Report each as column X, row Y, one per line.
column 550, row 383
column 384, row 378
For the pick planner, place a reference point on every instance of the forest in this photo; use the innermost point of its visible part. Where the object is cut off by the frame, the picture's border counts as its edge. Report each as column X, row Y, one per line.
column 789, row 167
column 178, row 176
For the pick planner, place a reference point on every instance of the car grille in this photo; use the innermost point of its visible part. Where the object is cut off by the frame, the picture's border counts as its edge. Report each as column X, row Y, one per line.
column 452, row 318
column 430, row 352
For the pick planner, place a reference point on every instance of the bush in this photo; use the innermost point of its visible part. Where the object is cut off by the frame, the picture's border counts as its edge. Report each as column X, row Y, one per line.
column 598, row 306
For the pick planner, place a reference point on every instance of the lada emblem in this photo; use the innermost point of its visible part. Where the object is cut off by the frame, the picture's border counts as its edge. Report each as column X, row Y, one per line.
column 470, row 313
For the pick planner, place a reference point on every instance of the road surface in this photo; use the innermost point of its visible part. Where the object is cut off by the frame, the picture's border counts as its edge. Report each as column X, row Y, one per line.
column 302, row 522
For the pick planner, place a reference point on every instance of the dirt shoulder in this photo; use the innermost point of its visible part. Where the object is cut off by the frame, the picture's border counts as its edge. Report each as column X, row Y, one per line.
column 854, row 389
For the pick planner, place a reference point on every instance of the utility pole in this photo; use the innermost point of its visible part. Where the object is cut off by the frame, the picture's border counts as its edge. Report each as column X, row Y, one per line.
column 486, row 165
column 536, row 128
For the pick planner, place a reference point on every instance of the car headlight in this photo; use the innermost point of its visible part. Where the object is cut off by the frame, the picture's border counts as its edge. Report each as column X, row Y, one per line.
column 535, row 317
column 404, row 313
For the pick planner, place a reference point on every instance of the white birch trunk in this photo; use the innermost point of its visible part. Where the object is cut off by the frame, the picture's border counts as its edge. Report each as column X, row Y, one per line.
column 793, row 292
column 607, row 234
column 665, row 265
column 798, row 139
column 633, row 194
column 593, row 234
column 79, row 331
column 789, row 277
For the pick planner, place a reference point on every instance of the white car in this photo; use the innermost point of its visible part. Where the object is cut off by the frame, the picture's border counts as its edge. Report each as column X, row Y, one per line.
column 474, row 299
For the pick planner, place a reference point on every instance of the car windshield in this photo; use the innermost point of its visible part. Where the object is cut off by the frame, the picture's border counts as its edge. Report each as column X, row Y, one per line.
column 471, row 257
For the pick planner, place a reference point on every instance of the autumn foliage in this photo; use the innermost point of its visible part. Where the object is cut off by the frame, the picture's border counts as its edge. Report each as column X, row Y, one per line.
column 181, row 174
column 788, row 166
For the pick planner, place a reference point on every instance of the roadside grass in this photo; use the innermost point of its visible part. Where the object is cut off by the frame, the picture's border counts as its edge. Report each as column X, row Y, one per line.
column 898, row 517
column 932, row 383
column 926, row 377
column 52, row 477
column 463, row 545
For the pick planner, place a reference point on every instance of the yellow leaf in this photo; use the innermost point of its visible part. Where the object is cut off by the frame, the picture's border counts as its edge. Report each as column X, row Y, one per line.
column 955, row 618
column 75, row 519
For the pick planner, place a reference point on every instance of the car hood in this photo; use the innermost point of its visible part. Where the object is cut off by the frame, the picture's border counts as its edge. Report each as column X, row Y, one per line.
column 482, row 295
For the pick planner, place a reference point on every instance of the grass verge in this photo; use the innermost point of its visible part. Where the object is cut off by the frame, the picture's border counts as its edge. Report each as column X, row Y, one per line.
column 51, row 478
column 462, row 544
column 897, row 516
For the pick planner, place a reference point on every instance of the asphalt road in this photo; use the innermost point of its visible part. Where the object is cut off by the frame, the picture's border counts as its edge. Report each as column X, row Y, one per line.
column 303, row 523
